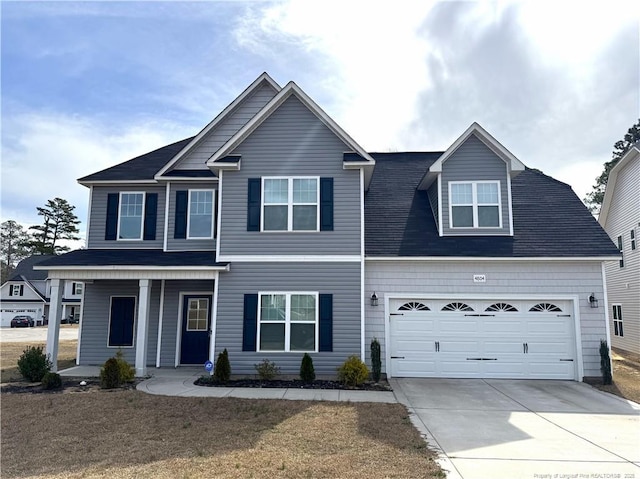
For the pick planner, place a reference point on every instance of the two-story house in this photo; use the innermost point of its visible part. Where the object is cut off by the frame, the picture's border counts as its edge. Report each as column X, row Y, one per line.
column 620, row 217
column 26, row 292
column 272, row 233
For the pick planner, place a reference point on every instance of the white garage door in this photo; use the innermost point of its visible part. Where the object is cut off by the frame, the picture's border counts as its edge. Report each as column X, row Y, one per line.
column 482, row 339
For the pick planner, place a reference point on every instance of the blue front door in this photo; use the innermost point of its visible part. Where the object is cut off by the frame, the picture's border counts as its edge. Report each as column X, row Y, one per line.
column 196, row 323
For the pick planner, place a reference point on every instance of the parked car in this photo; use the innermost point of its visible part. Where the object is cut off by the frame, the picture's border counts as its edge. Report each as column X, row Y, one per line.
column 22, row 321
column 69, row 320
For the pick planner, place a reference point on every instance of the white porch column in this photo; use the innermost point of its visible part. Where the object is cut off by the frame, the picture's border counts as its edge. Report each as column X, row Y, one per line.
column 142, row 333
column 55, row 314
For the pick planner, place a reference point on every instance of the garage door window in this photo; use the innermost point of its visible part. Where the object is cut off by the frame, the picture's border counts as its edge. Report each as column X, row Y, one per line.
column 457, row 307
column 502, row 307
column 414, row 306
column 545, row 308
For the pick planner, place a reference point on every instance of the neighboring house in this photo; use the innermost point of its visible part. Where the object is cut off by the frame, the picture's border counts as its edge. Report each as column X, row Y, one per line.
column 272, row 232
column 620, row 217
column 27, row 292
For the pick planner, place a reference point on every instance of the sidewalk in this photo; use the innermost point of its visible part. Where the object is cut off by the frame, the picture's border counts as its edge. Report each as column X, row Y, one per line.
column 179, row 382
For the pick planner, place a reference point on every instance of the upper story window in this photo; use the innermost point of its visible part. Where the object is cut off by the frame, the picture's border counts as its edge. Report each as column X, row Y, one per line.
column 475, row 204
column 621, row 249
column 632, row 235
column 16, row 290
column 200, row 214
column 130, row 217
column 290, row 204
column 618, row 329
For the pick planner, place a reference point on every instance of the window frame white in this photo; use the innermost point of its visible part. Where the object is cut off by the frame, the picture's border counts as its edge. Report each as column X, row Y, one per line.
column 213, row 210
column 207, row 317
column 475, row 204
column 618, row 323
column 144, row 206
column 74, row 288
column 290, row 203
column 288, row 322
column 632, row 237
column 15, row 290
column 621, row 249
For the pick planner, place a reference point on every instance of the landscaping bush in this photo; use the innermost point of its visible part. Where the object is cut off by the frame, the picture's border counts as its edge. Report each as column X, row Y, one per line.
column 126, row 372
column 51, row 380
column 605, row 363
column 34, row 364
column 353, row 372
column 376, row 363
column 267, row 370
column 222, row 371
column 307, row 371
column 110, row 374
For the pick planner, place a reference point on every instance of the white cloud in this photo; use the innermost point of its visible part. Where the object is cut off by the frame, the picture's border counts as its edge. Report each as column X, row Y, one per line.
column 43, row 155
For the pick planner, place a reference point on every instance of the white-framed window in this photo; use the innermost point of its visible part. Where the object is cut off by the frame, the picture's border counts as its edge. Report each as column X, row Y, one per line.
column 475, row 204
column 288, row 321
column 618, row 329
column 76, row 288
column 16, row 290
column 130, row 215
column 290, row 204
column 621, row 249
column 198, row 314
column 200, row 217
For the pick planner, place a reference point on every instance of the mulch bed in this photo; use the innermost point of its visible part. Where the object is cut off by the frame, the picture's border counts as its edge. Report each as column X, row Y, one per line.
column 68, row 386
column 291, row 384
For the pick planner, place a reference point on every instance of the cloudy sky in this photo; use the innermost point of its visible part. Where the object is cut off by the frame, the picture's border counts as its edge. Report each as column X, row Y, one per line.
column 86, row 85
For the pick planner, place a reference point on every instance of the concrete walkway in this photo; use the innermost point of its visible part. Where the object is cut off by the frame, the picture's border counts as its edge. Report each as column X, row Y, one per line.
column 510, row 429
column 179, row 382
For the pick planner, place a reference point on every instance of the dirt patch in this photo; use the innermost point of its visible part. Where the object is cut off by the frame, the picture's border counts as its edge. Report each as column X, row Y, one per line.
column 132, row 434
column 291, row 383
column 626, row 375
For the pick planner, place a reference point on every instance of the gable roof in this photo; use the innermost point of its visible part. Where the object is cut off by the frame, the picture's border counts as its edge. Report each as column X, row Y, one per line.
column 24, row 270
column 514, row 166
column 549, row 220
column 263, row 79
column 292, row 89
column 632, row 155
column 139, row 169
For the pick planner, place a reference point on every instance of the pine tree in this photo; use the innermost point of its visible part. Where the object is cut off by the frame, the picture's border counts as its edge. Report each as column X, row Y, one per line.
column 59, row 224
column 14, row 246
column 594, row 198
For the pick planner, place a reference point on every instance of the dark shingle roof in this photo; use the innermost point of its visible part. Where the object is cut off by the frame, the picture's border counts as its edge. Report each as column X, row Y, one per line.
column 25, row 268
column 549, row 220
column 143, row 167
column 133, row 257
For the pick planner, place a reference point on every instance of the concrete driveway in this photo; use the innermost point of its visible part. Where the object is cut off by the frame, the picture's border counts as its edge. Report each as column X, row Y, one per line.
column 493, row 429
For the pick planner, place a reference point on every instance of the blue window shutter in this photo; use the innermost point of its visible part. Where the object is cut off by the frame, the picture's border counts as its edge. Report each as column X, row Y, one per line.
column 326, row 204
column 150, row 216
column 180, row 231
column 254, row 194
column 250, row 322
column 111, row 228
column 326, row 322
column 22, row 290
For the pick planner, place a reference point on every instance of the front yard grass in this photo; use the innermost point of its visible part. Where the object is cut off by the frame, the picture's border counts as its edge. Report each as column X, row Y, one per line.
column 11, row 352
column 131, row 434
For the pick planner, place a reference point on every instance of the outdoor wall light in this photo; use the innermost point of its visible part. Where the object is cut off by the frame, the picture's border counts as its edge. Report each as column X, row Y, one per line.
column 593, row 302
column 374, row 299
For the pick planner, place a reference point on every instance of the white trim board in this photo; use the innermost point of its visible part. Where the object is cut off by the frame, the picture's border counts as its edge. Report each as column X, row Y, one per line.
column 290, row 258
column 489, row 258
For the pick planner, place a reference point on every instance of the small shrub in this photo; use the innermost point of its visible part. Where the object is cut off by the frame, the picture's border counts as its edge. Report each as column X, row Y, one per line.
column 222, row 371
column 110, row 374
column 267, row 370
column 34, row 364
column 126, row 372
column 307, row 371
column 376, row 363
column 51, row 380
column 605, row 363
column 353, row 371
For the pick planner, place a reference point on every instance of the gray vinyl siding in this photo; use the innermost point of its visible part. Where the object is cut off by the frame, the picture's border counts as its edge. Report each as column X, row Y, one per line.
column 291, row 142
column 432, row 192
column 172, row 312
column 251, row 105
column 98, row 218
column 95, row 322
column 623, row 284
column 174, row 244
column 455, row 280
column 474, row 161
column 342, row 280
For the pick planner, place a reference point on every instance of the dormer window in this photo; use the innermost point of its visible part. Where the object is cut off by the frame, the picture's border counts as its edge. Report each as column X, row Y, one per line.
column 475, row 204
